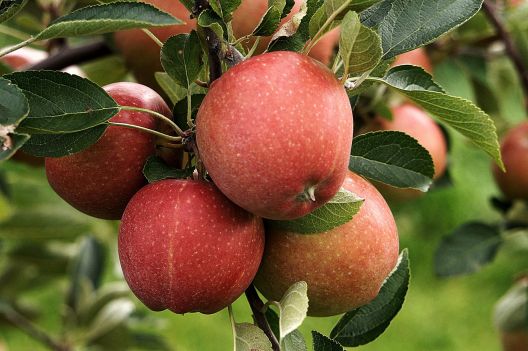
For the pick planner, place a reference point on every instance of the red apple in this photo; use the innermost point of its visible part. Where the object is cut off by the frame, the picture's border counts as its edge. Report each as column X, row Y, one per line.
column 100, row 180
column 274, row 133
column 185, row 247
column 344, row 267
column 514, row 149
column 141, row 53
column 416, row 57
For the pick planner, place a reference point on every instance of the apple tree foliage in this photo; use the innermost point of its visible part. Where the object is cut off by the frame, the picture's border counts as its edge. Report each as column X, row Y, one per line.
column 53, row 114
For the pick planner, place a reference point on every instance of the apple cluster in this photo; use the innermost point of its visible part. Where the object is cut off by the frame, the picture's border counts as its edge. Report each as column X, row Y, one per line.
column 273, row 135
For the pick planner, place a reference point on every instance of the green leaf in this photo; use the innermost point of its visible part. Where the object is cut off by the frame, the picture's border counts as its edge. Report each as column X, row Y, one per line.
column 174, row 91
column 9, row 8
column 271, row 19
column 461, row 114
column 14, row 106
column 181, row 58
column 359, row 46
column 155, row 169
column 180, row 110
column 58, row 145
column 405, row 25
column 467, row 249
column 110, row 317
column 340, row 210
column 209, row 19
column 511, row 311
column 323, row 343
column 296, row 41
column 293, row 308
column 62, row 103
column 225, row 8
column 11, row 143
column 294, row 341
column 393, row 158
column 106, row 18
column 250, row 337
column 366, row 323
column 88, row 266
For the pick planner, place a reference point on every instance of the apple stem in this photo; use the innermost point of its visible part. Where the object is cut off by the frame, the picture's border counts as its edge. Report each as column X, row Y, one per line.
column 17, row 319
column 311, row 43
column 165, row 119
column 153, row 37
column 17, row 46
column 258, row 308
column 146, row 130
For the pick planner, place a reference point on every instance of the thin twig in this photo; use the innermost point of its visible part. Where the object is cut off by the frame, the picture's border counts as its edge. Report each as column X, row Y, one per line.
column 490, row 10
column 257, row 307
column 74, row 56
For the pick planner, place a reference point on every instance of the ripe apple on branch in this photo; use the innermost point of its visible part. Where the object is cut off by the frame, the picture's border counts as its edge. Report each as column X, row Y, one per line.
column 268, row 138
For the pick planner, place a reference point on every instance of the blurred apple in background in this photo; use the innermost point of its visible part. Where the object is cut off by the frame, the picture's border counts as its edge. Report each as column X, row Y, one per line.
column 416, row 57
column 514, row 148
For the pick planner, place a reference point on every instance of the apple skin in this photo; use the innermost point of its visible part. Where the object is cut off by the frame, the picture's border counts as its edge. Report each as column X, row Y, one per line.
column 100, row 180
column 185, row 247
column 514, row 149
column 344, row 267
column 274, row 128
column 141, row 53
column 416, row 57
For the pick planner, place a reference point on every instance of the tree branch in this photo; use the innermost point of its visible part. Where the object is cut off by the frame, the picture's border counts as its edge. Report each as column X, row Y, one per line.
column 257, row 305
column 26, row 326
column 490, row 10
column 74, row 56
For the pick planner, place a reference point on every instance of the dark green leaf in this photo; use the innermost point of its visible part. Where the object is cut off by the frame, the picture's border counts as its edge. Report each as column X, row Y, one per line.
column 271, row 19
column 180, row 110
column 209, row 19
column 225, row 8
column 155, row 169
column 106, row 18
column 366, row 323
column 181, row 58
column 323, row 343
column 393, row 158
column 340, row 210
column 461, row 114
column 62, row 103
column 58, row 145
column 88, row 266
column 467, row 249
column 405, row 25
column 9, row 8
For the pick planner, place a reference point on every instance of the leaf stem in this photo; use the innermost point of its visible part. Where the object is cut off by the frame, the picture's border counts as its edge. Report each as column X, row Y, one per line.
column 258, row 308
column 309, row 46
column 190, row 122
column 165, row 119
column 153, row 37
column 233, row 325
column 17, row 46
column 146, row 130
